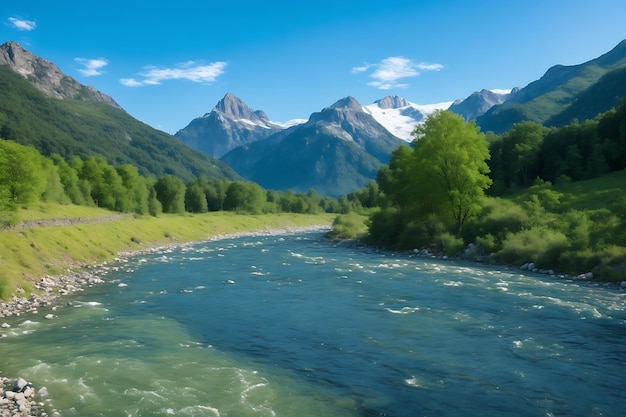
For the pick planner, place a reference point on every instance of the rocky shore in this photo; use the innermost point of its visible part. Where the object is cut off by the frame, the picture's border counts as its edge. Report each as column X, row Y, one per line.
column 17, row 399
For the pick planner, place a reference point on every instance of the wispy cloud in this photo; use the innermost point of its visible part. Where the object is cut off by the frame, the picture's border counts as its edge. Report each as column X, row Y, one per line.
column 189, row 71
column 387, row 73
column 91, row 67
column 22, row 24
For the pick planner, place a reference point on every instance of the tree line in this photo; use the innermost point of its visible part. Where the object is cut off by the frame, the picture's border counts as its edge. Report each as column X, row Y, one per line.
column 27, row 177
column 529, row 151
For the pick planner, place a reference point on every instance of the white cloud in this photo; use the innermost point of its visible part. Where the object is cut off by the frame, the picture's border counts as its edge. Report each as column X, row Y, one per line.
column 22, row 24
column 501, row 90
column 389, row 71
column 189, row 71
column 91, row 67
column 362, row 68
column 131, row 82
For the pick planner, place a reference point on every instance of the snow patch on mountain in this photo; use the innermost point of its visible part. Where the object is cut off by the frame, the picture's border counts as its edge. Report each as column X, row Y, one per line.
column 400, row 116
column 291, row 123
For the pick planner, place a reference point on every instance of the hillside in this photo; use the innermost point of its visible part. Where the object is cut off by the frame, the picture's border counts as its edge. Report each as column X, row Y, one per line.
column 599, row 98
column 553, row 93
column 82, row 124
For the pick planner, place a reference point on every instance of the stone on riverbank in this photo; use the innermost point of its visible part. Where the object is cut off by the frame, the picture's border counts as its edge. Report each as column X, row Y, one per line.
column 17, row 399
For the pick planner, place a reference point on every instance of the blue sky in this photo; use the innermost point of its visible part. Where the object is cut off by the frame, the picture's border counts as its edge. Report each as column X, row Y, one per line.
column 167, row 63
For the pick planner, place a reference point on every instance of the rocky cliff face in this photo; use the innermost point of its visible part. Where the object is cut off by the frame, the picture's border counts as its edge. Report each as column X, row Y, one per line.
column 47, row 77
column 479, row 103
column 230, row 124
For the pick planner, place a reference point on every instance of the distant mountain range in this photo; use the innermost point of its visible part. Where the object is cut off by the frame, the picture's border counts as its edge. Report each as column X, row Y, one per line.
column 335, row 151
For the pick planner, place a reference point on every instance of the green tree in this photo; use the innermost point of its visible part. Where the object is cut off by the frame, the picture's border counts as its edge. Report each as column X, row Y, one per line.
column 71, row 182
column 244, row 196
column 443, row 178
column 136, row 188
column 450, row 164
column 22, row 175
column 170, row 192
column 524, row 142
column 195, row 198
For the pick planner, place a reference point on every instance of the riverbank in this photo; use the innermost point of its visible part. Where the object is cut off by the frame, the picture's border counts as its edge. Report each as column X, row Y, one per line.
column 131, row 236
column 49, row 288
column 58, row 248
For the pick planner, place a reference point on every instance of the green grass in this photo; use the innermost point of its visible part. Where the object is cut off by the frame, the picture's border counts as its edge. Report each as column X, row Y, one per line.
column 597, row 193
column 26, row 255
column 601, row 192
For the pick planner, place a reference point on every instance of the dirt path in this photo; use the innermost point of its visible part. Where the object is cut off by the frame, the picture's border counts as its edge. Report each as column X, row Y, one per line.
column 70, row 221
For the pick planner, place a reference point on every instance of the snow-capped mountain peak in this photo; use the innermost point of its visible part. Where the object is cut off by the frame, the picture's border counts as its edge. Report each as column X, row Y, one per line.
column 399, row 116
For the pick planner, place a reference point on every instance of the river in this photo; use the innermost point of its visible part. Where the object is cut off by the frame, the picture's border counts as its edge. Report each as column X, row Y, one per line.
column 296, row 325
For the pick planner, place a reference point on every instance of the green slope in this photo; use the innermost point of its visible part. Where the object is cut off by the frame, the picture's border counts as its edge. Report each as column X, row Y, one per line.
column 553, row 93
column 84, row 127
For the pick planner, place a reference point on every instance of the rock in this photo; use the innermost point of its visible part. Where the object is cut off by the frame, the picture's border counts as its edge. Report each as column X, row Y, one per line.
column 29, row 392
column 524, row 267
column 589, row 275
column 5, row 325
column 49, row 316
column 623, row 284
column 19, row 385
column 531, row 266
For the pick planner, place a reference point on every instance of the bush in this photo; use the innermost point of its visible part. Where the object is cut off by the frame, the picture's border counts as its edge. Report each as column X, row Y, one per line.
column 487, row 243
column 348, row 226
column 449, row 244
column 539, row 245
column 577, row 261
column 497, row 218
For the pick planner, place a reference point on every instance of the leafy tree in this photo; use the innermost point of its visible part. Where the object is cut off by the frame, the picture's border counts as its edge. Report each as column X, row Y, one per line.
column 71, row 183
column 22, row 176
column 170, row 191
column 195, row 199
column 107, row 188
column 450, row 165
column 154, row 205
column 136, row 188
column 54, row 190
column 520, row 153
column 244, row 196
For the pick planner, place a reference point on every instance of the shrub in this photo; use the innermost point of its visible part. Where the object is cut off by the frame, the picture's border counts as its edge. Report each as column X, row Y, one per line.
column 449, row 244
column 539, row 245
column 348, row 226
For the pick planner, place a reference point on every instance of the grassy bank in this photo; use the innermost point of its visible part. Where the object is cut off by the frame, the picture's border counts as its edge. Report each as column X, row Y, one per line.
column 28, row 254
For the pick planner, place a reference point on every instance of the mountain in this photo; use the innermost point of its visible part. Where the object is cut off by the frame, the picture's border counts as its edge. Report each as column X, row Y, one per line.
column 47, row 77
column 479, row 102
column 230, row 124
column 553, row 93
column 607, row 93
column 337, row 151
column 42, row 107
column 399, row 116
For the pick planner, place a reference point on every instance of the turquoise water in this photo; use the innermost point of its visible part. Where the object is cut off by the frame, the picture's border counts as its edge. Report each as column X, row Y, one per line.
column 296, row 326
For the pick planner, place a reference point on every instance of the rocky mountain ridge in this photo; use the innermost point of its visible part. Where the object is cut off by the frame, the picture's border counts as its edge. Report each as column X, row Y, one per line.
column 230, row 124
column 479, row 103
column 47, row 77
